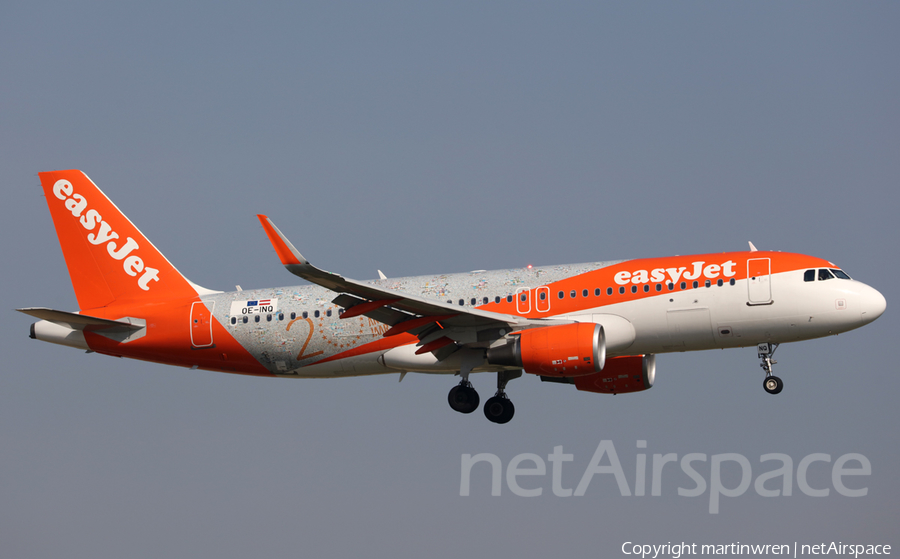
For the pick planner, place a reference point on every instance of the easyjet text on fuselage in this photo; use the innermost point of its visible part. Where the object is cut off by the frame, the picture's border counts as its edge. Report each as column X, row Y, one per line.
column 673, row 275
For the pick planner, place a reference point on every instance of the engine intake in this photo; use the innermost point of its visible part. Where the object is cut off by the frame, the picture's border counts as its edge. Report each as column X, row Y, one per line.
column 567, row 350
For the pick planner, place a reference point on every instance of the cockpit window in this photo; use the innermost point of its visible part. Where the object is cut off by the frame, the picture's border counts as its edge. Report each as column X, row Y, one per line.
column 809, row 275
column 840, row 273
column 825, row 274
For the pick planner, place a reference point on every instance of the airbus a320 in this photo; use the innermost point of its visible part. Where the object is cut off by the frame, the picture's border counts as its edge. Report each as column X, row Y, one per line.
column 597, row 326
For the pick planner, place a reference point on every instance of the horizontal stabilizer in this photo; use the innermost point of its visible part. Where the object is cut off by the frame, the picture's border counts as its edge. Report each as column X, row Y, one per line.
column 77, row 321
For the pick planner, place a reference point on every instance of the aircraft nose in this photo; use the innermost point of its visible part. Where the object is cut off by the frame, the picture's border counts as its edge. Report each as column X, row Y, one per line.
column 872, row 304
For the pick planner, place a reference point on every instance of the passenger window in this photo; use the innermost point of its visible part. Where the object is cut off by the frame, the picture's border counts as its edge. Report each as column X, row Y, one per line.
column 497, row 299
column 245, row 320
column 597, row 292
column 256, row 318
column 840, row 273
column 524, row 296
column 305, row 314
column 233, row 320
column 509, row 298
column 731, row 281
column 316, row 314
column 621, row 291
column 708, row 283
column 543, row 296
column 696, row 285
column 462, row 302
column 809, row 275
column 634, row 289
column 683, row 285
column 671, row 286
column 281, row 316
column 584, row 292
column 609, row 290
column 485, row 301
column 561, row 295
column 268, row 318
column 572, row 294
column 659, row 287
column 646, row 287
column 825, row 275
column 328, row 312
column 474, row 301
column 719, row 283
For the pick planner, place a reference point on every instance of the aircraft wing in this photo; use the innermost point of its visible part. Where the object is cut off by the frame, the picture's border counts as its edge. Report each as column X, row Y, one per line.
column 404, row 312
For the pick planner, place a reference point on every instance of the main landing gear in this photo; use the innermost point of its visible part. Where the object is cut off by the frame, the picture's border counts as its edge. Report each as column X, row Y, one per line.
column 765, row 351
column 463, row 397
column 498, row 409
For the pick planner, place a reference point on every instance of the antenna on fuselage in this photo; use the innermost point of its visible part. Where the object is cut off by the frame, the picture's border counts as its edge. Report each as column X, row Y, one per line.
column 752, row 248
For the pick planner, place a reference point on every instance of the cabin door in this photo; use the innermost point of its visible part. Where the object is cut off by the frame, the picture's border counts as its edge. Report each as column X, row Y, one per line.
column 759, row 285
column 201, row 325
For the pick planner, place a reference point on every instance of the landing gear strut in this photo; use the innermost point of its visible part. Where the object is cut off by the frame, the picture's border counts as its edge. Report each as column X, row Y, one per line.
column 463, row 397
column 765, row 351
column 499, row 408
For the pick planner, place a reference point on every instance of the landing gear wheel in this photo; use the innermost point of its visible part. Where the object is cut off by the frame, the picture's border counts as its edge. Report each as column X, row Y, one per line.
column 499, row 409
column 463, row 398
column 773, row 385
column 765, row 351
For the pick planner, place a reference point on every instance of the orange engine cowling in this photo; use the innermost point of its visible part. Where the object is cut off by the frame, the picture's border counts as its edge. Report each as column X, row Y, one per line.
column 567, row 350
column 621, row 374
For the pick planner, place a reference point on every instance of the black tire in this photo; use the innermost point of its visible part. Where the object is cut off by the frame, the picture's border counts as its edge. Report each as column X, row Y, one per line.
column 773, row 385
column 510, row 412
column 499, row 410
column 473, row 399
column 463, row 399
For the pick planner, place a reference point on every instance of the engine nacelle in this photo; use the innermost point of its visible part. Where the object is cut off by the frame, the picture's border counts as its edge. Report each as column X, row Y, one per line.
column 620, row 375
column 566, row 350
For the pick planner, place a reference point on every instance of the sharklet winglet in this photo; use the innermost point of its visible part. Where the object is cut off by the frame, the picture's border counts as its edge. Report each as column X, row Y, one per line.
column 286, row 251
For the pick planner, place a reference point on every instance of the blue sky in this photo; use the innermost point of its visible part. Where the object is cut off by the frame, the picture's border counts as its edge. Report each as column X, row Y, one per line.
column 421, row 138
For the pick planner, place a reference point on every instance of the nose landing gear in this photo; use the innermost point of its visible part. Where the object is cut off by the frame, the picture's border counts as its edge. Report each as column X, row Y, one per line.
column 765, row 351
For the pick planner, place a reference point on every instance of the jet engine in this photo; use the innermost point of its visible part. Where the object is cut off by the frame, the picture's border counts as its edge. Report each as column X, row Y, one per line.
column 632, row 373
column 566, row 350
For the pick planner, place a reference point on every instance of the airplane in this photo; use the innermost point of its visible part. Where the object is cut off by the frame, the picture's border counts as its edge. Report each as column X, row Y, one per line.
column 597, row 326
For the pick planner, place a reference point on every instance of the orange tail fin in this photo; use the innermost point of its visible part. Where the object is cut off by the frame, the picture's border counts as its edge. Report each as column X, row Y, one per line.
column 109, row 259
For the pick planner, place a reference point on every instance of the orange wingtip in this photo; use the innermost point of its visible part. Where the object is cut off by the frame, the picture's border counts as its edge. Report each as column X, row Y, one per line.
column 281, row 245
